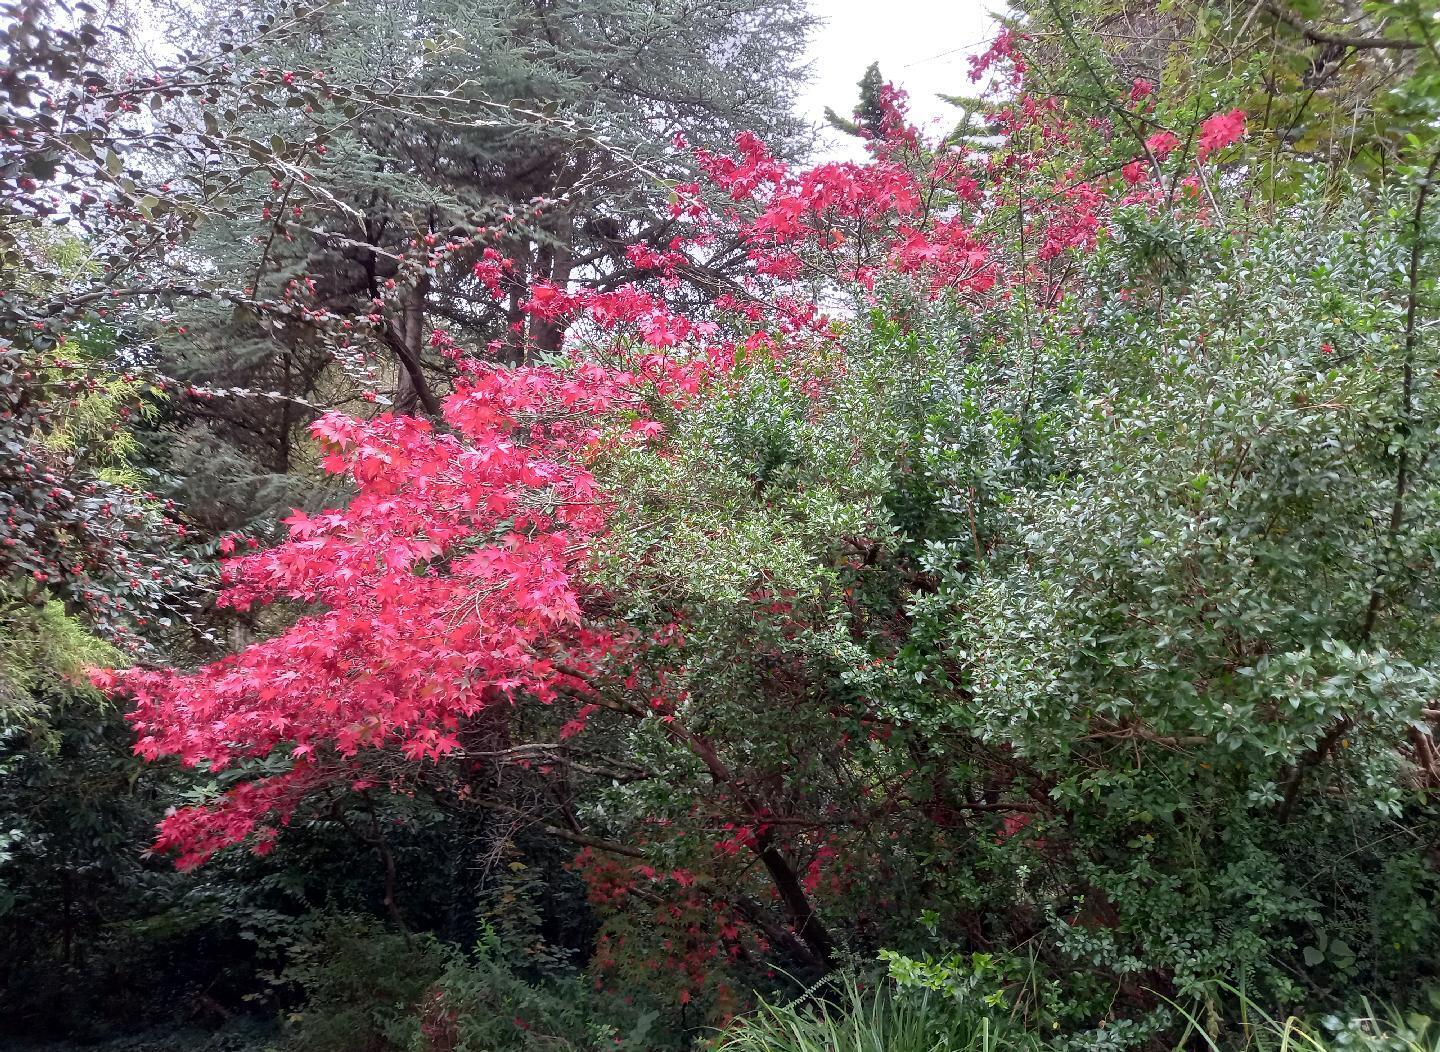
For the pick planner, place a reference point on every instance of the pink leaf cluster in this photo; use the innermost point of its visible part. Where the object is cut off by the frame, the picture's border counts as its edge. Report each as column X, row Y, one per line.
column 455, row 579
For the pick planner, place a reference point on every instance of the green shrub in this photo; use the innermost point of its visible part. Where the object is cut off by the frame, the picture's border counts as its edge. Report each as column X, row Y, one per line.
column 369, row 989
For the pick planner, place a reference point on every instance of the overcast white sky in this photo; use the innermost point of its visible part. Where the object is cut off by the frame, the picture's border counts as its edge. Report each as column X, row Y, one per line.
column 921, row 45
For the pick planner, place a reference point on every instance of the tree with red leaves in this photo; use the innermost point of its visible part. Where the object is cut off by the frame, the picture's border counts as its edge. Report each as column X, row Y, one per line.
column 468, row 578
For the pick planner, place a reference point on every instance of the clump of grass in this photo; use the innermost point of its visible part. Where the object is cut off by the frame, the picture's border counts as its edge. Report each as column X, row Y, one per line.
column 1368, row 1030
column 1365, row 1031
column 847, row 1016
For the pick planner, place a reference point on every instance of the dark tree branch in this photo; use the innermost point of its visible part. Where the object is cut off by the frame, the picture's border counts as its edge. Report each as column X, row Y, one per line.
column 1318, row 36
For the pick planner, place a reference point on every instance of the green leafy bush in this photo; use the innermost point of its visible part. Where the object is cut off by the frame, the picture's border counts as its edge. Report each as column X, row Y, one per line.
column 369, row 989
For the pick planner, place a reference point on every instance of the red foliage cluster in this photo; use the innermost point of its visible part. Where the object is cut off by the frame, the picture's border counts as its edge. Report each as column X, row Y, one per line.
column 455, row 579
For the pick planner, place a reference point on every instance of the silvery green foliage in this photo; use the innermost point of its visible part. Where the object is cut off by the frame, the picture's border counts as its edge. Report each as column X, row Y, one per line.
column 1177, row 585
column 1195, row 551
